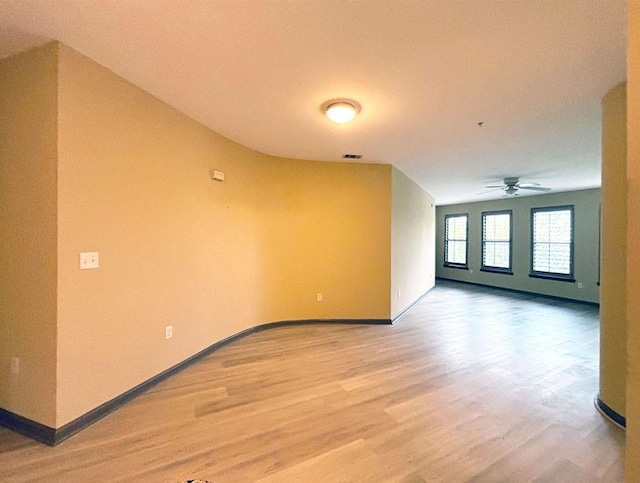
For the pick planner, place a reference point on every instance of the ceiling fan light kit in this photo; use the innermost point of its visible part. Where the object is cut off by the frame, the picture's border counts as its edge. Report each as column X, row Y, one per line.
column 510, row 190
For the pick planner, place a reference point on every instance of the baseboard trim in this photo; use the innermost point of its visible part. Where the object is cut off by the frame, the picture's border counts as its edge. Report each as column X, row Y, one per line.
column 27, row 427
column 609, row 414
column 524, row 292
column 284, row 323
column 52, row 437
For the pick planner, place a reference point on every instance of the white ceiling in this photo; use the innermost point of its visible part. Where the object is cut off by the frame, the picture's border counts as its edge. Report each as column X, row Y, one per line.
column 425, row 72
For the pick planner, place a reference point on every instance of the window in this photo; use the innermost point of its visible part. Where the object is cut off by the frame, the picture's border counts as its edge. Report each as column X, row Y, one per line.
column 456, row 232
column 496, row 241
column 552, row 243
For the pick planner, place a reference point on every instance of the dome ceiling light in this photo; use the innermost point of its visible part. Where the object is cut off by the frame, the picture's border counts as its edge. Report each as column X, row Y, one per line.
column 341, row 110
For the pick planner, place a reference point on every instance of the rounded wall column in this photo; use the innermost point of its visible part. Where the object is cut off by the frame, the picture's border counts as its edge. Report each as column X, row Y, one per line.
column 611, row 400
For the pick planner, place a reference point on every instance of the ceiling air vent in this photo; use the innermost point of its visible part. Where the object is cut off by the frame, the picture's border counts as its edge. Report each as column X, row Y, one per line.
column 352, row 156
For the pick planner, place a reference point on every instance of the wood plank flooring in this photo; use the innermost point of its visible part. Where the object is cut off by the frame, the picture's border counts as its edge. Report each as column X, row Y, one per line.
column 473, row 384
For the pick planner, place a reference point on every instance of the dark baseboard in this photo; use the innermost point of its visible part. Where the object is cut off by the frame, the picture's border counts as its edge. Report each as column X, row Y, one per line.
column 27, row 427
column 284, row 323
column 611, row 415
column 524, row 292
column 52, row 437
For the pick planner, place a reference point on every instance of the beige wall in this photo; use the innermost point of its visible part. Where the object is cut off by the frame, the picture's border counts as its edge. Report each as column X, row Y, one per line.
column 412, row 242
column 633, row 247
column 28, row 92
column 613, row 334
column 586, row 215
column 176, row 248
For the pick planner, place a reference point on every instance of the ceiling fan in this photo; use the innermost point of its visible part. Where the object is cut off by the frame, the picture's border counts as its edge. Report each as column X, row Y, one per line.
column 513, row 184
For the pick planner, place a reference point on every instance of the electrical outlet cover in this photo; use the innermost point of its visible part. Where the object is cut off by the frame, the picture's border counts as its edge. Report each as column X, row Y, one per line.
column 89, row 260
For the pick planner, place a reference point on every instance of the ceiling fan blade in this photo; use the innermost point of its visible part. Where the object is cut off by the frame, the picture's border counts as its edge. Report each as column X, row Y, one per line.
column 528, row 185
column 535, row 188
column 496, row 186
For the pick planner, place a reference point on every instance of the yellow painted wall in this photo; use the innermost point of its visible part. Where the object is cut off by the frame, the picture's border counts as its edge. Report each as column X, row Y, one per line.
column 28, row 92
column 412, row 242
column 613, row 333
column 632, row 458
column 326, row 230
column 176, row 248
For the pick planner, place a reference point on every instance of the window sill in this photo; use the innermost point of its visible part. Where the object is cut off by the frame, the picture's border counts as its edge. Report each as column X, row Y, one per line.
column 504, row 271
column 550, row 276
column 453, row 265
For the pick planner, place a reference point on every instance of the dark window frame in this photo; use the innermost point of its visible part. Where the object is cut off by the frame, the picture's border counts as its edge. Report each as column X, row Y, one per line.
column 490, row 268
column 447, row 264
column 563, row 277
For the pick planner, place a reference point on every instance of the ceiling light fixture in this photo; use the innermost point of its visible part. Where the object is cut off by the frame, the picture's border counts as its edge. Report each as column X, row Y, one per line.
column 341, row 110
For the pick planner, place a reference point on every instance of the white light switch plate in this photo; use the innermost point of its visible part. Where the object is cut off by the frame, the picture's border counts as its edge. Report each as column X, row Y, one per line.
column 216, row 175
column 89, row 260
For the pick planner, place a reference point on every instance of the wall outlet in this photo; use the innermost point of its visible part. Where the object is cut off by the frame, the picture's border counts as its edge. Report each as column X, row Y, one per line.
column 579, row 284
column 399, row 293
column 89, row 260
column 168, row 332
column 15, row 365
column 319, row 297
column 471, row 271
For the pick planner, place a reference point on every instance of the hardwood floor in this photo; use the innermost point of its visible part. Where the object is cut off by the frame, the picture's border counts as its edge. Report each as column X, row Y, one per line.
column 473, row 384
